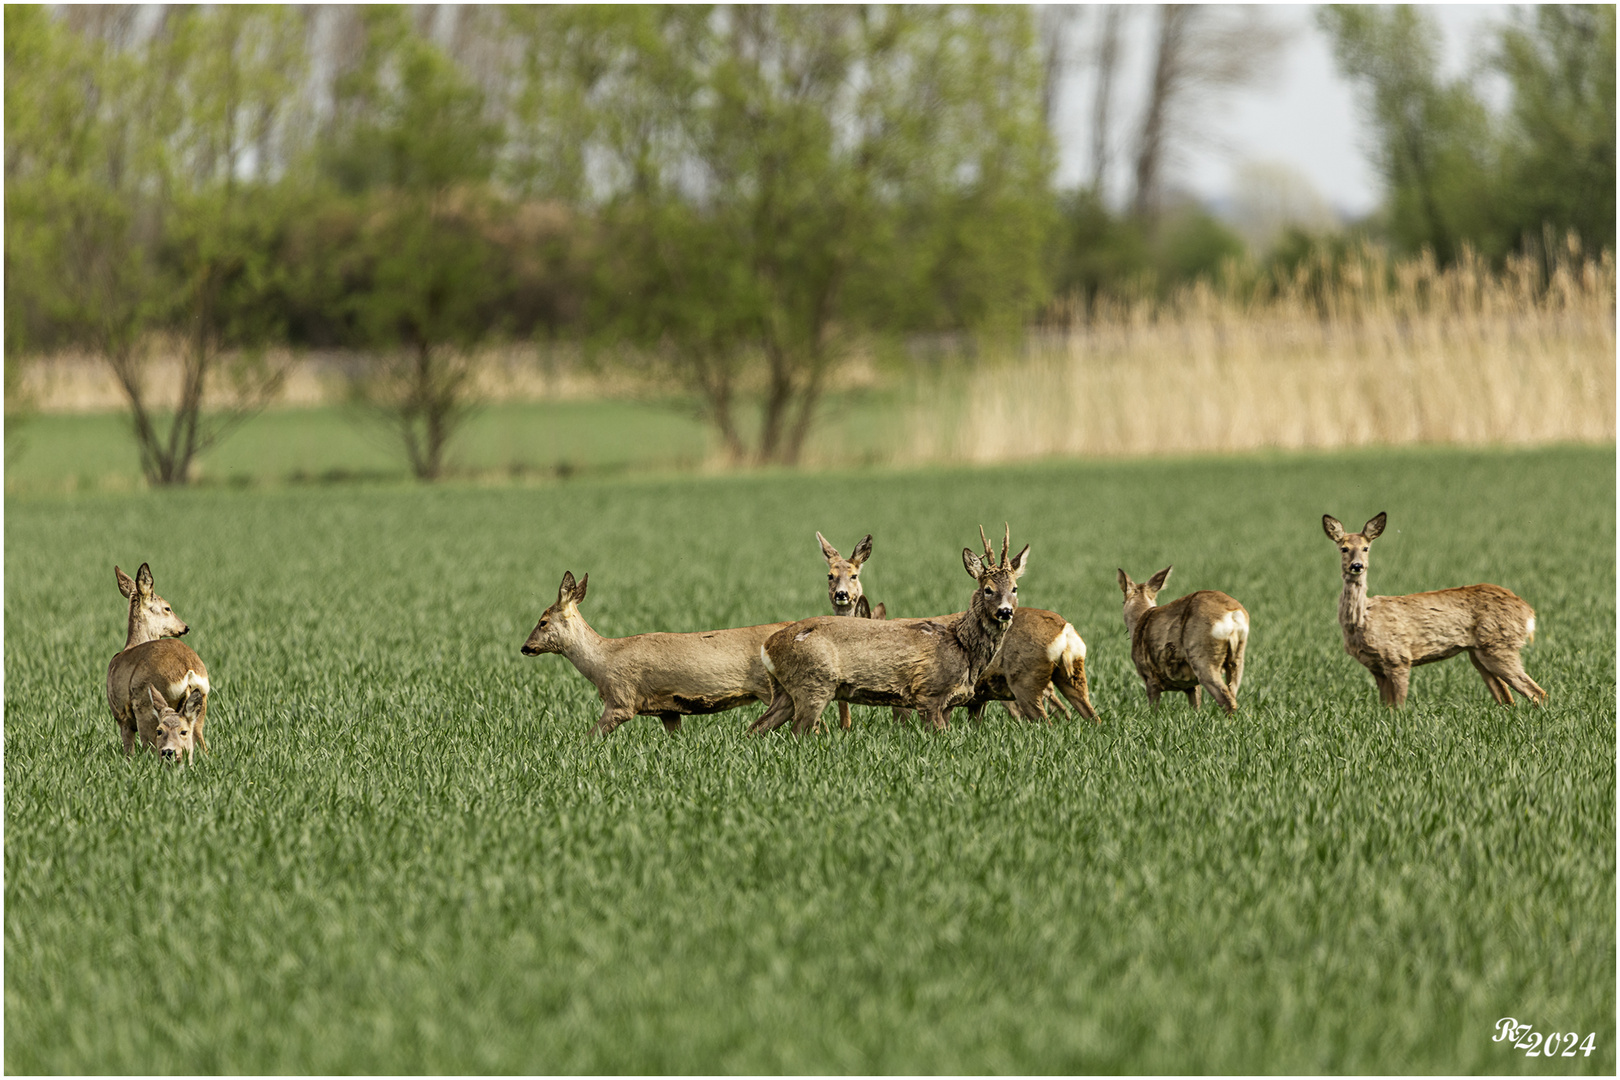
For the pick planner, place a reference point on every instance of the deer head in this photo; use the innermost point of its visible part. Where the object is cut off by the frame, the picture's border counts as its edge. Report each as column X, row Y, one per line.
column 997, row 595
column 174, row 729
column 560, row 621
column 1140, row 597
column 1354, row 547
column 844, row 575
column 150, row 616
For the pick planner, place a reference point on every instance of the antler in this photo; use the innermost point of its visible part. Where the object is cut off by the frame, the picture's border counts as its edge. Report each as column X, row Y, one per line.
column 1006, row 542
column 989, row 549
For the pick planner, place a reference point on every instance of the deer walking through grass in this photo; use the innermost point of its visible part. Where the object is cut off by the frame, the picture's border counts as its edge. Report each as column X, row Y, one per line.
column 1192, row 644
column 151, row 657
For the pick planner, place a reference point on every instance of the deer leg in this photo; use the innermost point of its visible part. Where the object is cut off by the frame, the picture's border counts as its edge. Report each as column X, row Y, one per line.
column 934, row 713
column 612, row 717
column 1051, row 699
column 1234, row 670
column 1014, row 710
column 1498, row 688
column 1075, row 690
column 1195, row 697
column 808, row 705
column 779, row 713
column 1398, row 680
column 843, row 715
column 1030, row 696
column 1153, row 692
column 1506, row 666
column 197, row 728
column 127, row 731
column 672, row 721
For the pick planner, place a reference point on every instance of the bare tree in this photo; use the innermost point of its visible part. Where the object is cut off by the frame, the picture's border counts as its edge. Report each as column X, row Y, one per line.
column 1102, row 96
column 1199, row 53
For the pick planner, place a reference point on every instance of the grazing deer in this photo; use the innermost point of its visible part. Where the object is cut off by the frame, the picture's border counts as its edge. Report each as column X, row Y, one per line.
column 927, row 664
column 664, row 675
column 845, row 594
column 152, row 658
column 1391, row 634
column 165, row 730
column 1192, row 644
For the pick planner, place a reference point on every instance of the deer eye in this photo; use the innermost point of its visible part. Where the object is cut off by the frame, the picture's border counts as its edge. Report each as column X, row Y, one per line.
column 1015, row 590
column 1345, row 550
column 829, row 577
column 854, row 577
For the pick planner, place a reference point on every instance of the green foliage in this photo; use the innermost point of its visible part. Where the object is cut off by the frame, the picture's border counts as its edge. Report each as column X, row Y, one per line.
column 778, row 181
column 404, row 856
column 1459, row 175
column 1099, row 253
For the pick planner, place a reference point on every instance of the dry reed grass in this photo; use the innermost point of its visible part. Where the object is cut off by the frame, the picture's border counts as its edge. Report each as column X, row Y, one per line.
column 1370, row 351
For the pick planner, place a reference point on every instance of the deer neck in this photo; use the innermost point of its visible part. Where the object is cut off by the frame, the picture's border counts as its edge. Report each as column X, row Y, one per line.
column 140, row 630
column 1134, row 613
column 588, row 651
column 980, row 637
column 1353, row 605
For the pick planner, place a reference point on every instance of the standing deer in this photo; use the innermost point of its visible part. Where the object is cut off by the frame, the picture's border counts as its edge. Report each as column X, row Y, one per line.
column 927, row 664
column 1192, row 644
column 152, row 658
column 1391, row 634
column 664, row 675
column 844, row 591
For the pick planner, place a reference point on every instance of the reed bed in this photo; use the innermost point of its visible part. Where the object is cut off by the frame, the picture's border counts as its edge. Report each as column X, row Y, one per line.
column 1367, row 351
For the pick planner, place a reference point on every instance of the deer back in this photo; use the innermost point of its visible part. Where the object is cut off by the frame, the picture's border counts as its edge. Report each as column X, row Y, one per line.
column 1434, row 625
column 169, row 665
column 1201, row 624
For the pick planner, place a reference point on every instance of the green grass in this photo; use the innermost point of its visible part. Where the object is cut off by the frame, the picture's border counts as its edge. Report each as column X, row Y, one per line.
column 404, row 855
column 96, row 452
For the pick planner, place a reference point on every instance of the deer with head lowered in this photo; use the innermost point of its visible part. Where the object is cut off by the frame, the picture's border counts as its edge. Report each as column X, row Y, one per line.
column 845, row 594
column 152, row 658
column 1192, row 644
column 172, row 733
column 1389, row 635
column 664, row 675
column 927, row 664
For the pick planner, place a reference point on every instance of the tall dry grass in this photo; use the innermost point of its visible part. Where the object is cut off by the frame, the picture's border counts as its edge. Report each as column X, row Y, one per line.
column 1367, row 351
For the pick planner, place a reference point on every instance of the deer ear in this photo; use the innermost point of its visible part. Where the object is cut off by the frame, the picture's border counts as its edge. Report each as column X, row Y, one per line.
column 192, row 705
column 880, row 612
column 863, row 550
column 1375, row 528
column 126, row 584
column 1125, row 581
column 1020, row 563
column 579, row 590
column 158, row 701
column 828, row 552
column 1331, row 526
column 975, row 567
column 1156, row 582
column 566, row 589
column 863, row 608
column 143, row 580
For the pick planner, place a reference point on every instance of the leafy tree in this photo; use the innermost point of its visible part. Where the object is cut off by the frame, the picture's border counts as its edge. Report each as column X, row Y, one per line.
column 772, row 183
column 412, row 143
column 1559, row 166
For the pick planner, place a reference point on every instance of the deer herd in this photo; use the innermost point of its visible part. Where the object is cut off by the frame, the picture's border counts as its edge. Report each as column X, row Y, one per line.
column 995, row 650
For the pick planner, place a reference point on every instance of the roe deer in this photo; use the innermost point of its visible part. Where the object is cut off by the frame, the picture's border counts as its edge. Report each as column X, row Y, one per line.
column 1190, row 644
column 151, row 657
column 664, row 675
column 844, row 590
column 171, row 733
column 1391, row 634
column 927, row 664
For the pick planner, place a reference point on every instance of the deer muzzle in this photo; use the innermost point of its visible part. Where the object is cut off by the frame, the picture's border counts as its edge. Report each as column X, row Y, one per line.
column 841, row 598
column 530, row 649
column 1004, row 613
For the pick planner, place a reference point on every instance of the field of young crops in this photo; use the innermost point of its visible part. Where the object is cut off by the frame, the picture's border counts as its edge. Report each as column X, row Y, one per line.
column 405, row 855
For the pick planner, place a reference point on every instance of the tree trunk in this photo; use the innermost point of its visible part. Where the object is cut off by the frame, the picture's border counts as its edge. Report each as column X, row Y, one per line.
column 1150, row 148
column 1101, row 102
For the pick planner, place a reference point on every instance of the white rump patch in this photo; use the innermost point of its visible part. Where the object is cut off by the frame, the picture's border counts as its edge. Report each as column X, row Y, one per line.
column 179, row 690
column 802, row 634
column 1068, row 643
column 1230, row 625
column 1530, row 629
column 765, row 658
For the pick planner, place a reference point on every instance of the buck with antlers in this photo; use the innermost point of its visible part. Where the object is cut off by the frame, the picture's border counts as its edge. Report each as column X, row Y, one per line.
column 152, row 658
column 1389, row 635
column 927, row 664
column 664, row 675
column 1192, row 644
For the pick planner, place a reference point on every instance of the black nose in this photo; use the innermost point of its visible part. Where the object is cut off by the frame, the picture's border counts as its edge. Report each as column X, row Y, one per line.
column 184, row 630
column 1356, row 568
column 169, row 754
column 840, row 597
column 530, row 650
column 1004, row 613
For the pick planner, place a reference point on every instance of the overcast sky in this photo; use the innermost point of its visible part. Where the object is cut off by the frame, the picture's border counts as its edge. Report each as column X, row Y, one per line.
column 1305, row 115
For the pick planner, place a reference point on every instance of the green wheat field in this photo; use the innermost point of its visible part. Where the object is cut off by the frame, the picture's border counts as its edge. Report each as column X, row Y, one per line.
column 405, row 855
